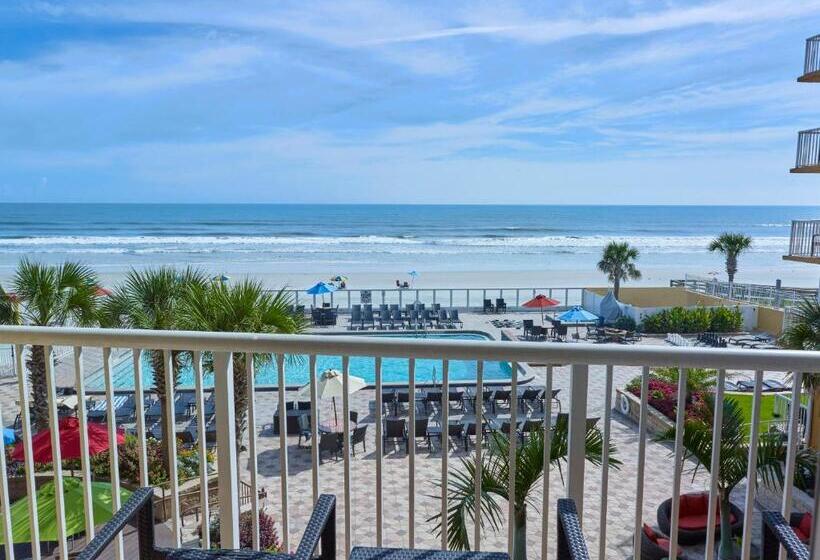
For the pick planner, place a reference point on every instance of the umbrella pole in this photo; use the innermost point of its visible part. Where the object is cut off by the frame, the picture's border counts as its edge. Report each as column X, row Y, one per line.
column 335, row 418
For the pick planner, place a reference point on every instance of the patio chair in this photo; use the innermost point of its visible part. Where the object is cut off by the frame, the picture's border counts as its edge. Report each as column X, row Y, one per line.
column 776, row 532
column 456, row 396
column 571, row 542
column 454, row 320
column 529, row 426
column 359, row 435
column 527, row 325
column 421, row 425
column 367, row 319
column 432, row 398
column 355, row 317
column 694, row 508
column 500, row 305
column 395, row 429
column 303, row 405
column 488, row 306
column 469, row 431
column 384, row 318
column 139, row 511
column 654, row 546
column 394, row 307
column 436, row 307
column 330, row 442
column 402, row 397
column 428, row 318
column 455, row 433
column 388, row 398
column 354, row 417
column 530, row 395
column 413, row 320
column 304, row 429
column 443, row 320
column 501, row 395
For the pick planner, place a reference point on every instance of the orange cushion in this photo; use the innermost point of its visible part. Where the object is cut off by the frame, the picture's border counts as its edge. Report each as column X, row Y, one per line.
column 805, row 525
column 650, row 533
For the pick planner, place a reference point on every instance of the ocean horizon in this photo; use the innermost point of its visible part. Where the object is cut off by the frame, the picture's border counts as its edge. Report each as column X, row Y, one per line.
column 285, row 244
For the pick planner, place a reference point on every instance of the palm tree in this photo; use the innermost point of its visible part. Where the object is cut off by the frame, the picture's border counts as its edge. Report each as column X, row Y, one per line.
column 529, row 470
column 618, row 263
column 731, row 245
column 734, row 456
column 48, row 296
column 243, row 307
column 803, row 333
column 150, row 299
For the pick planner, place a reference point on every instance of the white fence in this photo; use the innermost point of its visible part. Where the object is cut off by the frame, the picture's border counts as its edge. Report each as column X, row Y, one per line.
column 221, row 348
column 464, row 299
column 757, row 294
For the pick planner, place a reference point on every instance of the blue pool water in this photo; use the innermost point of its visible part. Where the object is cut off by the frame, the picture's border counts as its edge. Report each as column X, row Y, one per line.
column 394, row 370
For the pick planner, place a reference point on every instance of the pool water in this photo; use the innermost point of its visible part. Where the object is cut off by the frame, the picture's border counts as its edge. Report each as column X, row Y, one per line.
column 394, row 370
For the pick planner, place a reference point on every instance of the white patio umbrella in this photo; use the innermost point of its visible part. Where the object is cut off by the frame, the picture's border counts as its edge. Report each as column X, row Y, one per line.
column 331, row 385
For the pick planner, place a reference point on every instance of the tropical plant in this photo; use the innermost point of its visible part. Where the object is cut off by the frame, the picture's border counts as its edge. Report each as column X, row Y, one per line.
column 733, row 457
column 803, row 333
column 618, row 263
column 48, row 296
column 697, row 379
column 529, row 470
column 242, row 307
column 731, row 245
column 626, row 323
column 150, row 299
column 268, row 535
column 694, row 320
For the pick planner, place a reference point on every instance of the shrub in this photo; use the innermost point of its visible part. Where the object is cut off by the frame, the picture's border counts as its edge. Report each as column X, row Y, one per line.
column 626, row 323
column 694, row 320
column 663, row 396
column 268, row 536
column 697, row 379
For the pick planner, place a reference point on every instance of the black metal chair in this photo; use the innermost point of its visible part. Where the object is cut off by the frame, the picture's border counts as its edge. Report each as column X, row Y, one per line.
column 395, row 429
column 304, row 429
column 528, row 324
column 330, row 442
column 359, row 435
column 488, row 306
column 421, row 425
column 500, row 305
column 140, row 508
column 571, row 542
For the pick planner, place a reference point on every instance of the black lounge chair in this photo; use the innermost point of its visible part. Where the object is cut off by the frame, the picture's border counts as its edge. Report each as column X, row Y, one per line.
column 421, row 425
column 395, row 429
column 500, row 305
column 501, row 395
column 388, row 398
column 527, row 324
column 396, row 320
column 367, row 319
column 139, row 511
column 304, row 429
column 488, row 306
column 355, row 317
column 432, row 398
column 571, row 542
column 456, row 396
column 454, row 320
column 530, row 395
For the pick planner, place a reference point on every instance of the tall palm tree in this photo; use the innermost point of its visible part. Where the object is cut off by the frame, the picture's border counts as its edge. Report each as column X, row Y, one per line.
column 48, row 296
column 529, row 470
column 242, row 307
column 803, row 333
column 734, row 457
column 618, row 263
column 731, row 245
column 150, row 299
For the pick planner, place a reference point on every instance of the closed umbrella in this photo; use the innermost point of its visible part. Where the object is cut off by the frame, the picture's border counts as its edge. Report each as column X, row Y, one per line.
column 74, row 510
column 69, row 428
column 331, row 385
column 540, row 302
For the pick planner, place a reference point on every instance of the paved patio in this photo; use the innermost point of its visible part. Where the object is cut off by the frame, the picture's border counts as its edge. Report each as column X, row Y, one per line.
column 622, row 482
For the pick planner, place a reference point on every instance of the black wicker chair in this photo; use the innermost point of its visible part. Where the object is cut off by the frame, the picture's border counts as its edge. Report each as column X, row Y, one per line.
column 776, row 532
column 571, row 543
column 694, row 536
column 140, row 508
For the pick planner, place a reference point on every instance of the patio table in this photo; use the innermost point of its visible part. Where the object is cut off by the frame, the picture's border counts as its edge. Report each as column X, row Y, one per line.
column 372, row 553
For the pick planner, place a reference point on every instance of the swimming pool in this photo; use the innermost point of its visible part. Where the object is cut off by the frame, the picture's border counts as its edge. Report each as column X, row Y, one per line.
column 394, row 370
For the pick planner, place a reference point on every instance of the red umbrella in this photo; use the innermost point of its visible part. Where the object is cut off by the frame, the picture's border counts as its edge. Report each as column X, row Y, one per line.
column 69, row 441
column 102, row 292
column 540, row 302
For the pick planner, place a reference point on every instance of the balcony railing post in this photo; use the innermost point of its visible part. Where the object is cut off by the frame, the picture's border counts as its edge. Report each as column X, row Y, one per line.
column 577, row 434
column 226, row 458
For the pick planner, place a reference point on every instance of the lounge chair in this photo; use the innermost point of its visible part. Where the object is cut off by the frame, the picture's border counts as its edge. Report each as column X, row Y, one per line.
column 527, row 325
column 359, row 435
column 443, row 320
column 455, row 433
column 421, row 425
column 501, row 395
column 388, row 398
column 355, row 317
column 488, row 306
column 530, row 395
column 396, row 320
column 427, row 318
column 432, row 398
column 457, row 396
column 367, row 318
column 454, row 320
column 304, row 429
column 395, row 429
column 500, row 305
column 414, row 322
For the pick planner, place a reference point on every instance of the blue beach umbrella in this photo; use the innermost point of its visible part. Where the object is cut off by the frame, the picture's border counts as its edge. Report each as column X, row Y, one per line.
column 9, row 437
column 221, row 278
column 577, row 315
column 321, row 288
column 413, row 275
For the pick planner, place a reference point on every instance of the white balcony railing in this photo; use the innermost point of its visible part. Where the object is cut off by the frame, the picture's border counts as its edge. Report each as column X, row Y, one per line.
column 580, row 357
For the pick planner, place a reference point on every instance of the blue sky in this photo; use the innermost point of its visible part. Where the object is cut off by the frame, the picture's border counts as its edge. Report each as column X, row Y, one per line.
column 352, row 101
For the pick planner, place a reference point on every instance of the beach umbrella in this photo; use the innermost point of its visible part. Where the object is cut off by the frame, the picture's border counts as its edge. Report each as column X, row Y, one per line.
column 339, row 278
column 222, row 278
column 541, row 302
column 331, row 385
column 321, row 288
column 9, row 436
column 413, row 275
column 69, row 427
column 74, row 510
column 102, row 292
column 577, row 315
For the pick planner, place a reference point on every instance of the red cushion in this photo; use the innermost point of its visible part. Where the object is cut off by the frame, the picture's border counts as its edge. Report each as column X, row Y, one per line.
column 798, row 532
column 805, row 525
column 664, row 544
column 650, row 533
column 698, row 522
column 694, row 504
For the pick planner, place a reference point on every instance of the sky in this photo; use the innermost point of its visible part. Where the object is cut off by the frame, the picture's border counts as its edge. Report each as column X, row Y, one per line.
column 602, row 101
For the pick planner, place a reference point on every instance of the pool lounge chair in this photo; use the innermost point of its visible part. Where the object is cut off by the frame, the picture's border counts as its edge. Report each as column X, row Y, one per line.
column 488, row 306
column 395, row 429
column 454, row 320
column 500, row 305
column 396, row 320
column 355, row 317
column 368, row 322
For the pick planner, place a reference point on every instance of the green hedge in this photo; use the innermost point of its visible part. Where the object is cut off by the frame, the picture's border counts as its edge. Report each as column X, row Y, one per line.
column 694, row 320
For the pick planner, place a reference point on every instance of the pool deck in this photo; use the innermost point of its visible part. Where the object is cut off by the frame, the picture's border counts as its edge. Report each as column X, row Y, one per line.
column 622, row 482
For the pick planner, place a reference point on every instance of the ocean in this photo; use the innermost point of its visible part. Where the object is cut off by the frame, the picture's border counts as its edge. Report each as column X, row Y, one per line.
column 447, row 245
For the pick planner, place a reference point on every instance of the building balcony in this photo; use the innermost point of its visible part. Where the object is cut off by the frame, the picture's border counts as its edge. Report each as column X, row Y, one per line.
column 804, row 242
column 808, row 152
column 388, row 484
column 811, row 65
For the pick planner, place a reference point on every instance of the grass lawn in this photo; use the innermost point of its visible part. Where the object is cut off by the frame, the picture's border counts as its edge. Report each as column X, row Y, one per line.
column 745, row 402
